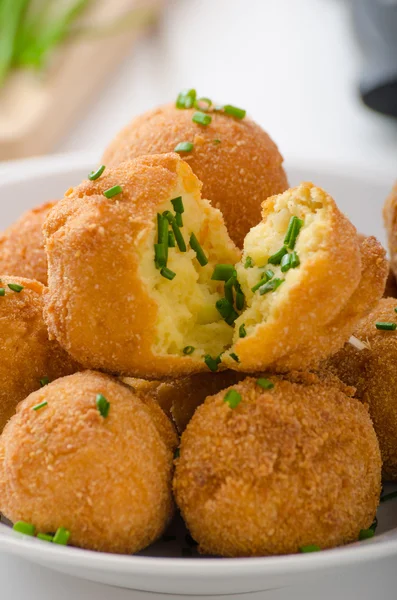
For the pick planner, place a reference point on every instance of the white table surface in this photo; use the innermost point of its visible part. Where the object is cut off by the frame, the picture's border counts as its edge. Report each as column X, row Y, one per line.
column 294, row 66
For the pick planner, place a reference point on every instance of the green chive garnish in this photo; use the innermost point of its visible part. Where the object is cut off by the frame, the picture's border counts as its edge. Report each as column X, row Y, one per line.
column 240, row 299
column 212, row 363
column 195, row 245
column 201, row 118
column 226, row 310
column 223, row 272
column 266, row 276
column 217, row 141
column 2, row 292
column 241, row 331
column 294, row 232
column 44, row 381
column 366, row 534
column 203, row 104
column 41, row 405
column 178, row 219
column 233, row 111
column 15, row 287
column 232, row 398
column 23, row 527
column 385, row 326
column 167, row 273
column 249, row 263
column 234, row 357
column 269, row 273
column 264, row 383
column 388, row 497
column 171, row 240
column 61, row 536
column 294, row 262
column 275, row 259
column 162, row 229
column 177, row 232
column 95, row 174
column 177, row 454
column 177, row 203
column 102, row 405
column 270, row 286
column 186, row 99
column 46, row 537
column 289, row 230
column 184, row 147
column 160, row 257
column 229, row 285
column 395, row 310
column 188, row 350
column 113, row 191
column 310, row 548
column 286, row 263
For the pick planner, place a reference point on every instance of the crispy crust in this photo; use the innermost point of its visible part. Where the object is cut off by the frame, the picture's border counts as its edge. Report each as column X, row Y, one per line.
column 272, row 476
column 107, row 480
column 22, row 245
column 373, row 372
column 238, row 173
column 390, row 221
column 26, row 353
column 92, row 245
column 306, row 325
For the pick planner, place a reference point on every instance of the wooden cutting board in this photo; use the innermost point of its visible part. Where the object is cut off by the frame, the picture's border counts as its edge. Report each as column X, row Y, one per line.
column 36, row 109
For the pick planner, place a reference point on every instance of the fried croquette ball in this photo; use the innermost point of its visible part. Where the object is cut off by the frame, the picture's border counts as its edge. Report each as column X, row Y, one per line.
column 390, row 221
column 104, row 476
column 312, row 302
column 373, row 372
column 238, row 163
column 283, row 468
column 22, row 246
column 28, row 358
column 108, row 304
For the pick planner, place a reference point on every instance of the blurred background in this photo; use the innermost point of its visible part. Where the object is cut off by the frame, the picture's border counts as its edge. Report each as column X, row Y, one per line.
column 72, row 73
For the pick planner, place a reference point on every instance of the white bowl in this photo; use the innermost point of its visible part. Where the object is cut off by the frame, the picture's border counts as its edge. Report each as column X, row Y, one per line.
column 161, row 568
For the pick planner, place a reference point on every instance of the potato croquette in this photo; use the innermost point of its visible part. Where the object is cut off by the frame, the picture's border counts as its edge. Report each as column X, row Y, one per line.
column 283, row 468
column 22, row 246
column 238, row 163
column 27, row 355
column 188, row 307
column 390, row 221
column 106, row 478
column 373, row 372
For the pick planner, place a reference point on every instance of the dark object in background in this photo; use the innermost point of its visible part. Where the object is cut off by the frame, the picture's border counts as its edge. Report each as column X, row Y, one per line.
column 375, row 22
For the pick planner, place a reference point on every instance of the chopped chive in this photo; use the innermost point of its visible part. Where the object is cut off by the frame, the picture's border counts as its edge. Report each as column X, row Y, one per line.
column 291, row 226
column 249, row 263
column 217, row 141
column 203, row 104
column 233, row 111
column 275, row 259
column 366, row 534
column 167, row 273
column 102, row 405
column 270, row 286
column 286, row 263
column 226, row 310
column 171, row 240
column 41, row 405
column 265, row 278
column 44, row 381
column 188, row 350
column 234, row 357
column 223, row 272
column 395, row 310
column 61, row 536
column 177, row 454
column 160, row 257
column 295, row 262
column 15, row 287
column 2, row 292
column 229, row 285
column 177, row 232
column 162, row 224
column 385, row 326
column 310, row 548
column 201, row 118
column 232, row 398
column 179, row 219
column 23, row 527
column 95, row 174
column 240, row 299
column 186, row 99
column 177, row 203
column 184, row 147
column 241, row 331
column 388, row 497
column 45, row 537
column 269, row 273
column 296, row 227
column 264, row 383
column 113, row 191
column 200, row 255
column 212, row 363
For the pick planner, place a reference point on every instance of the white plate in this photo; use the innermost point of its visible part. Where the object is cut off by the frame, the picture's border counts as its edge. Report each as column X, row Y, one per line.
column 161, row 568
